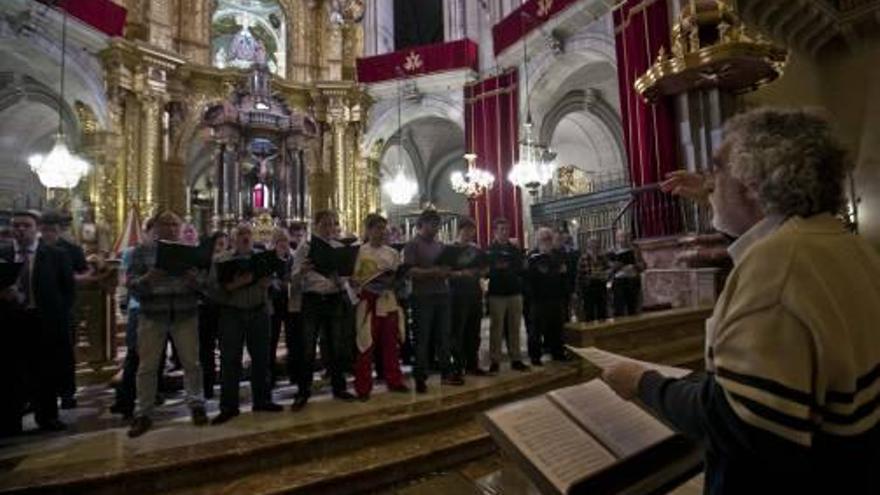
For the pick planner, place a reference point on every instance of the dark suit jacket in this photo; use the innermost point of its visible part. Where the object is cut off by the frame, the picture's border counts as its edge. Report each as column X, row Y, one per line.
column 52, row 280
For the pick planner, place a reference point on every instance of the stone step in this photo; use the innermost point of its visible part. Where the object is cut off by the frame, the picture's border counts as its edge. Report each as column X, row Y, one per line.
column 343, row 447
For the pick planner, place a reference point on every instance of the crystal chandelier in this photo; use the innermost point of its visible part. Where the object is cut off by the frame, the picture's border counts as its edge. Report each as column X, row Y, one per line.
column 474, row 182
column 401, row 189
column 536, row 164
column 60, row 168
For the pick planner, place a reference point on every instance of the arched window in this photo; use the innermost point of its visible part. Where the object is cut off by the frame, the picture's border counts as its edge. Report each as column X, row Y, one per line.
column 244, row 32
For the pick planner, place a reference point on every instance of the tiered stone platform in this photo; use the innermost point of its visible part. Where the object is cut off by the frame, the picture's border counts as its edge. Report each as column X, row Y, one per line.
column 329, row 447
column 394, row 443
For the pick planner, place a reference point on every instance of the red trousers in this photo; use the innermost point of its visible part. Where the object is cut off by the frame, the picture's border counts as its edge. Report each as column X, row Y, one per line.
column 385, row 334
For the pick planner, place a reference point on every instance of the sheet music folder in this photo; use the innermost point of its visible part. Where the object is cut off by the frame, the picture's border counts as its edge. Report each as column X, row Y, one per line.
column 260, row 264
column 586, row 439
column 329, row 260
column 176, row 258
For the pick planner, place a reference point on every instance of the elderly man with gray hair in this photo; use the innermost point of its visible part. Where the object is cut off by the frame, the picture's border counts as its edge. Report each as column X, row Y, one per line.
column 789, row 401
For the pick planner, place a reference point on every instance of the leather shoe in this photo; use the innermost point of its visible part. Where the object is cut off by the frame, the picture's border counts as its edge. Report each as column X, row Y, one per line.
column 421, row 387
column 268, row 407
column 537, row 362
column 199, row 417
column 223, row 417
column 139, row 426
column 299, row 402
column 344, row 395
column 52, row 425
column 519, row 366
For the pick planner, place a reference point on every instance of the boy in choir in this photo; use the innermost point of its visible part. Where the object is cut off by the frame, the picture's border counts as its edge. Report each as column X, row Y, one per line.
column 430, row 297
column 467, row 307
column 505, row 296
column 592, row 280
column 322, row 313
column 168, row 306
column 788, row 402
column 546, row 277
column 244, row 319
column 379, row 318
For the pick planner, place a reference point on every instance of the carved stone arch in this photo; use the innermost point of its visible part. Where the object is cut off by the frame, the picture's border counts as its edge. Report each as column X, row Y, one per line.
column 444, row 164
column 592, row 102
column 383, row 116
column 26, row 89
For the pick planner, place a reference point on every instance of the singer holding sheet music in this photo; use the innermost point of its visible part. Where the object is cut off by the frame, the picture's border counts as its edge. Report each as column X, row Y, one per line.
column 315, row 263
column 379, row 318
column 242, row 295
column 546, row 279
column 168, row 306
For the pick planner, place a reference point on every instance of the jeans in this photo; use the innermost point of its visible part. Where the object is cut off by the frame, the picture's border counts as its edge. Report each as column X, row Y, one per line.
column 237, row 328
column 322, row 315
column 153, row 332
column 467, row 314
column 505, row 314
column 433, row 322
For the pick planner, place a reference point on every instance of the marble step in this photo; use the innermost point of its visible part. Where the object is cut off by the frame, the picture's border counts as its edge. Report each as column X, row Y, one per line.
column 395, row 437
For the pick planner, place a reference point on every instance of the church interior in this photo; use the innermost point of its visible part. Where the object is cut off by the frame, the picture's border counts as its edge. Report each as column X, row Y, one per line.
column 559, row 119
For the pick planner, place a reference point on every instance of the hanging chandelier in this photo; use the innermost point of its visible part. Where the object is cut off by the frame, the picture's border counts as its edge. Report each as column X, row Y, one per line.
column 60, row 168
column 401, row 189
column 536, row 164
column 474, row 182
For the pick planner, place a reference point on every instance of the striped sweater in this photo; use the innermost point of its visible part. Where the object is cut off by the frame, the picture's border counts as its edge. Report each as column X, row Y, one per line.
column 793, row 362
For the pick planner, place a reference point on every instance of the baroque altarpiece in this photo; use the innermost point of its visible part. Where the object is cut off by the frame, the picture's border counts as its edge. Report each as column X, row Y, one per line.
column 222, row 110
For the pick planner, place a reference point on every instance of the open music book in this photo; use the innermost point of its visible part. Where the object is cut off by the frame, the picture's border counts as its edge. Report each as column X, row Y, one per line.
column 585, row 438
column 603, row 359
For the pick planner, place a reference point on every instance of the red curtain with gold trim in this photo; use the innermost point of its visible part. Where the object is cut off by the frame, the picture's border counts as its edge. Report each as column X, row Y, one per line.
column 491, row 130
column 103, row 15
column 417, row 61
column 641, row 29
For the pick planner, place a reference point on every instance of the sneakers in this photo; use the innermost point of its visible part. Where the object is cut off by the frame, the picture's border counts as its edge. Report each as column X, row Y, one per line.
column 421, row 387
column 223, row 417
column 198, row 415
column 139, row 426
column 519, row 366
column 268, row 407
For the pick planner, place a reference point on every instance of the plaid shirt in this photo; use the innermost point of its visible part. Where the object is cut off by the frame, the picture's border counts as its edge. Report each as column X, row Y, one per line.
column 166, row 296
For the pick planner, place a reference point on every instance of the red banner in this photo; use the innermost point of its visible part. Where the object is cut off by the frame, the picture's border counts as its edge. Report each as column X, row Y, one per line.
column 491, row 130
column 641, row 29
column 523, row 20
column 417, row 61
column 103, row 15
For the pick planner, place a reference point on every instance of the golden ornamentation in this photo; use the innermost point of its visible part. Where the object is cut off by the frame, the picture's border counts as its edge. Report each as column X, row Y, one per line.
column 711, row 48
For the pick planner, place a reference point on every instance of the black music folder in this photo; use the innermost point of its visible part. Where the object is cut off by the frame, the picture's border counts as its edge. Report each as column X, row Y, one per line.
column 329, row 260
column 176, row 258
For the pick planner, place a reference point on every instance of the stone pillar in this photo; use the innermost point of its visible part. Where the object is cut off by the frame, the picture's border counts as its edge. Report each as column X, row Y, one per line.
column 150, row 154
column 454, row 20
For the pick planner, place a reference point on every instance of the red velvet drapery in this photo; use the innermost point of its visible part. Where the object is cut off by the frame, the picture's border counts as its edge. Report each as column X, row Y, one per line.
column 530, row 15
column 491, row 127
column 417, row 61
column 641, row 28
column 103, row 15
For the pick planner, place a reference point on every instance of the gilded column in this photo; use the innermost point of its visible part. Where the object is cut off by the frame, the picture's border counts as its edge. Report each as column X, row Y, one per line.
column 150, row 153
